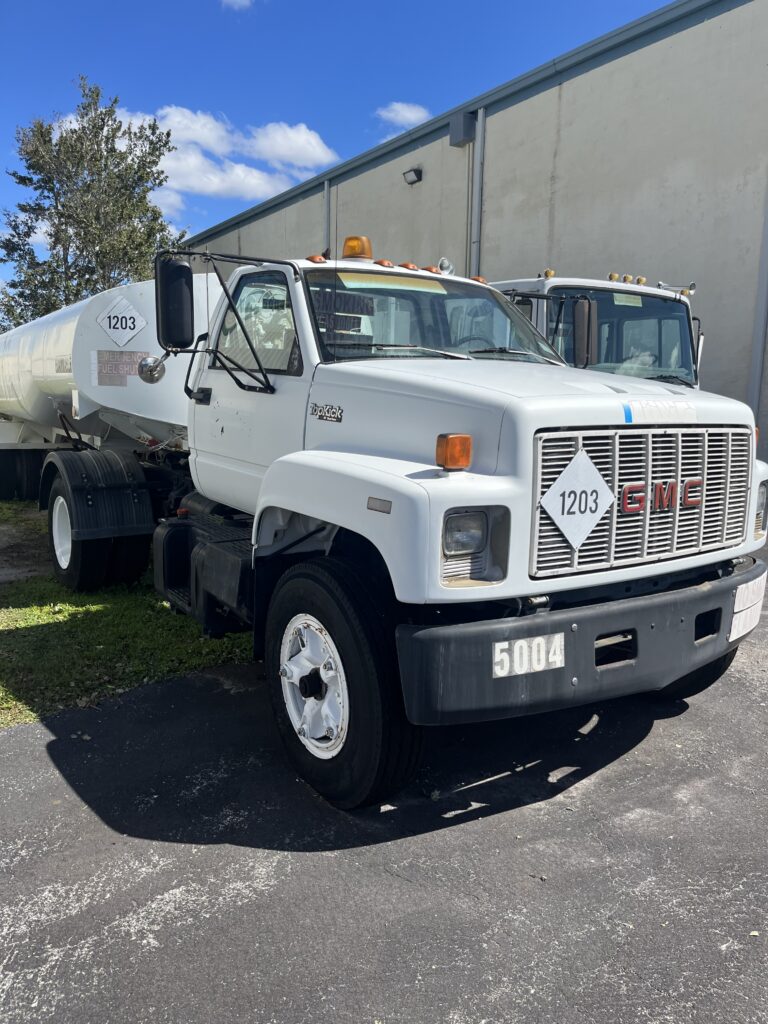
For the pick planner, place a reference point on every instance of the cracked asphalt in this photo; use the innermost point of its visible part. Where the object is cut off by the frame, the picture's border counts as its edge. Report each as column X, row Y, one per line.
column 160, row 863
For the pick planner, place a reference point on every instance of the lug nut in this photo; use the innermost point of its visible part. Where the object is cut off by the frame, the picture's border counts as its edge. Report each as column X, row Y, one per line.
column 330, row 732
column 284, row 672
column 302, row 732
column 328, row 666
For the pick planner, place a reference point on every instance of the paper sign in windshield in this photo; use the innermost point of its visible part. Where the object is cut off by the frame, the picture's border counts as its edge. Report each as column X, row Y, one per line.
column 627, row 299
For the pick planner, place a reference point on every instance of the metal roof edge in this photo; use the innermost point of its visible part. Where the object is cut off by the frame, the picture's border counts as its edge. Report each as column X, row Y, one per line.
column 631, row 32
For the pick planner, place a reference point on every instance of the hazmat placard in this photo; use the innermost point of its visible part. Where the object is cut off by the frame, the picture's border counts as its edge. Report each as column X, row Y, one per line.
column 121, row 321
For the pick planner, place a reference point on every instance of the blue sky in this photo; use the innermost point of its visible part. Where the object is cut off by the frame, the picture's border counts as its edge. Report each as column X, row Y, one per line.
column 260, row 94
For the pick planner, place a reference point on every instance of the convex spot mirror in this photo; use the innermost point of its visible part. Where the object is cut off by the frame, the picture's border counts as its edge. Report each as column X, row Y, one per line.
column 174, row 303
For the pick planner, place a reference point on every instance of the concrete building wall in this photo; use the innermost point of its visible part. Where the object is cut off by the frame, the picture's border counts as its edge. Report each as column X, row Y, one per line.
column 645, row 153
column 418, row 223
column 295, row 229
column 655, row 163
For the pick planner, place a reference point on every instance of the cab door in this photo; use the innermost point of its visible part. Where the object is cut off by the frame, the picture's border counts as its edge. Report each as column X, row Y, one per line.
column 237, row 434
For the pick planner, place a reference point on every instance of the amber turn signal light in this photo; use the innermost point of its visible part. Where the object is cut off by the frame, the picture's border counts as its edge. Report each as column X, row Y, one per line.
column 316, row 259
column 357, row 247
column 384, row 263
column 409, row 266
column 480, row 280
column 453, row 451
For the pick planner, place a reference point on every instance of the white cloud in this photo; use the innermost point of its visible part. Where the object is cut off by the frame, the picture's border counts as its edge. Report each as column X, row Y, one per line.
column 191, row 170
column 39, row 237
column 237, row 5
column 281, row 144
column 170, row 201
column 206, row 130
column 205, row 161
column 403, row 115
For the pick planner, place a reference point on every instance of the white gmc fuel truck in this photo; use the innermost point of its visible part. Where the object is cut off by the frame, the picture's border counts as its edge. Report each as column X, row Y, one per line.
column 388, row 476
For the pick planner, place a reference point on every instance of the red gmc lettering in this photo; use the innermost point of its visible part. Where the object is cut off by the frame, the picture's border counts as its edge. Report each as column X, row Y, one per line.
column 633, row 498
column 689, row 499
column 665, row 495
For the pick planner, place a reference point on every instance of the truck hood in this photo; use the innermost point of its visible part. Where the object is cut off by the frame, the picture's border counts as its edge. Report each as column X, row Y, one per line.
column 494, row 376
column 397, row 407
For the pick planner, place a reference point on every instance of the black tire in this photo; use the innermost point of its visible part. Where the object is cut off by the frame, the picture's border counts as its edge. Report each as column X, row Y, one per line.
column 696, row 682
column 86, row 568
column 29, row 465
column 128, row 559
column 382, row 749
column 7, row 475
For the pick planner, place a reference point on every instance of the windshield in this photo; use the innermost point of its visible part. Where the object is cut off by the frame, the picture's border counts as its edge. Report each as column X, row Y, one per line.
column 362, row 314
column 638, row 335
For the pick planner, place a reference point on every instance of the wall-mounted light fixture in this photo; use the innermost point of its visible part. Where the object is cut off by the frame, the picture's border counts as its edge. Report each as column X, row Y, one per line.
column 413, row 176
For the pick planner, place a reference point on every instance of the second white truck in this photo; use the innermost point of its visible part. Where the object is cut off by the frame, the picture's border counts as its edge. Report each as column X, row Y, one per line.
column 421, row 513
column 619, row 325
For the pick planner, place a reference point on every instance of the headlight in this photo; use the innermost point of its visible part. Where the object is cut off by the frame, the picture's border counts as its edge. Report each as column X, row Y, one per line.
column 465, row 533
column 762, row 501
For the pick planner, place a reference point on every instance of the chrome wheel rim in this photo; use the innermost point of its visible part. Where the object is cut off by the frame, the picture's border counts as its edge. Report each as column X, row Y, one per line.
column 61, row 530
column 314, row 686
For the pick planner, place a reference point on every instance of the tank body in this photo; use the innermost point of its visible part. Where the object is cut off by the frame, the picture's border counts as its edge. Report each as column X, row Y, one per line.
column 82, row 361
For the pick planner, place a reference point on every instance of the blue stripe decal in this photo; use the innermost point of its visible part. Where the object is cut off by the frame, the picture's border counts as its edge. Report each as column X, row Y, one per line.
column 627, row 413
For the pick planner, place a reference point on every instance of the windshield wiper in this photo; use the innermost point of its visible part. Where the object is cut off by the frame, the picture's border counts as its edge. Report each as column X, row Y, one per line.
column 672, row 378
column 424, row 348
column 530, row 357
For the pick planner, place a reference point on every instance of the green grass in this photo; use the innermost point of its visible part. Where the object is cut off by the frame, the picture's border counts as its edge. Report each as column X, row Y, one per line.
column 23, row 514
column 59, row 649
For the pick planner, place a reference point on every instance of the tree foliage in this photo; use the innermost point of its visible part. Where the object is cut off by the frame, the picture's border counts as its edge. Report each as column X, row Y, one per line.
column 88, row 181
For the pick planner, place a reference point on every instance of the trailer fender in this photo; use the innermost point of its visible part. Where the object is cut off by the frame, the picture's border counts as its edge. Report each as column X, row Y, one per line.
column 381, row 499
column 108, row 493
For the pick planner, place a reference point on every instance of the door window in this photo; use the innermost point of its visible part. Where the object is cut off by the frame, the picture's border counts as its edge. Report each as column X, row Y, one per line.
column 264, row 304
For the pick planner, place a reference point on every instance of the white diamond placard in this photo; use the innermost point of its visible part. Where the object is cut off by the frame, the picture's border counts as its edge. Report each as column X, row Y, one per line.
column 121, row 321
column 578, row 499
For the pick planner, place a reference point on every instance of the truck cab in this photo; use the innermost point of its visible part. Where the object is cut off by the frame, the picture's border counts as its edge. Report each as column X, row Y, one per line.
column 615, row 326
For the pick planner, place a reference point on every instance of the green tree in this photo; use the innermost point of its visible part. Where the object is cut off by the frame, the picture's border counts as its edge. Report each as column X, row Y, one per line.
column 88, row 180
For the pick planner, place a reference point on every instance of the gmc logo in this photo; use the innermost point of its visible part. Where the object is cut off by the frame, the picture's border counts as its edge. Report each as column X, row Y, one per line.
column 662, row 495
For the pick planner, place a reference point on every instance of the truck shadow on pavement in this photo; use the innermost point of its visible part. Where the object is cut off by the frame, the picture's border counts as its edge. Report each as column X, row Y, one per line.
column 199, row 761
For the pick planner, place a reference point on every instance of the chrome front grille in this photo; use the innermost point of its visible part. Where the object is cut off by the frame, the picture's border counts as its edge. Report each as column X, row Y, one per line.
column 720, row 456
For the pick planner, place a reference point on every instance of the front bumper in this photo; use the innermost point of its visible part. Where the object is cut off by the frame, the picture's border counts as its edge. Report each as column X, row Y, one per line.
column 609, row 649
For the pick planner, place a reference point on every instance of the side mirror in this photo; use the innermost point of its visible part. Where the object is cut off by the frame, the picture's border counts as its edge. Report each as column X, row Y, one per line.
column 584, row 333
column 698, row 343
column 174, row 303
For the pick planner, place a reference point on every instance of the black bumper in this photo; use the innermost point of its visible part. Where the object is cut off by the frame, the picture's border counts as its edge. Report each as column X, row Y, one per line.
column 447, row 671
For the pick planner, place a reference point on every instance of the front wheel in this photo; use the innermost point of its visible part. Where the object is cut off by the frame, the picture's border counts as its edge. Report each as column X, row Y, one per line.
column 698, row 680
column 334, row 686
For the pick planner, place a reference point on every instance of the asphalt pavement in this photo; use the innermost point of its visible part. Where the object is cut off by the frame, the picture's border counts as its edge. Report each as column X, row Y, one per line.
column 160, row 863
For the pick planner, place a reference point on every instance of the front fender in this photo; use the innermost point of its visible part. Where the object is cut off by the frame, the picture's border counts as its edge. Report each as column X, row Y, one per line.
column 336, row 487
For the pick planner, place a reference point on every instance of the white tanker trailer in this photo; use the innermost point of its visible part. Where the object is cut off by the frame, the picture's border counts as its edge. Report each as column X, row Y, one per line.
column 75, row 373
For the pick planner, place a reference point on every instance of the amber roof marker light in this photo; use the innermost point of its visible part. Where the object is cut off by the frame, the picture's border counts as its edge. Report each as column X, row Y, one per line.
column 453, row 451
column 357, row 247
